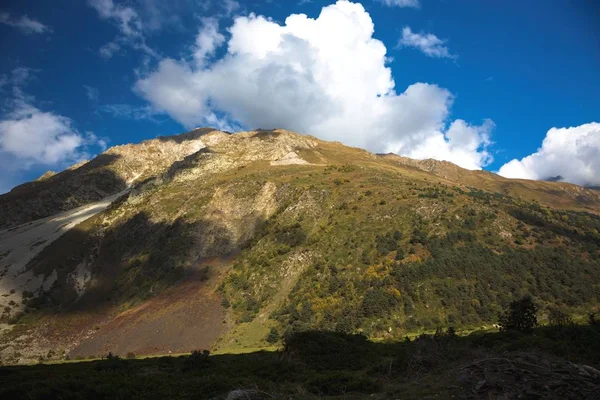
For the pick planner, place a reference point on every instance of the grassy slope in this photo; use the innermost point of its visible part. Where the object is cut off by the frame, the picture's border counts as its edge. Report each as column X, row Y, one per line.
column 459, row 258
column 353, row 243
column 551, row 194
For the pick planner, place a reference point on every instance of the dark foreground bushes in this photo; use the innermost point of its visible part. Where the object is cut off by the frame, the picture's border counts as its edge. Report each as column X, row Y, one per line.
column 315, row 365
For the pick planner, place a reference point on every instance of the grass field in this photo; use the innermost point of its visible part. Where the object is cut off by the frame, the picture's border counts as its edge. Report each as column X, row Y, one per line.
column 332, row 365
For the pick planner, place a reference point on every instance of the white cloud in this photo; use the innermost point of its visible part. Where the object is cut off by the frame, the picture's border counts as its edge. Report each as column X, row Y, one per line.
column 127, row 111
column 401, row 3
column 30, row 136
column 91, row 138
column 427, row 43
column 324, row 76
column 570, row 153
column 35, row 136
column 109, row 49
column 461, row 143
column 130, row 26
column 24, row 23
column 230, row 6
column 21, row 75
column 126, row 17
column 207, row 40
column 92, row 93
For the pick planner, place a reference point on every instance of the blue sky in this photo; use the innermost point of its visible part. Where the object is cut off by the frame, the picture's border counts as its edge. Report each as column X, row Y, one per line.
column 507, row 86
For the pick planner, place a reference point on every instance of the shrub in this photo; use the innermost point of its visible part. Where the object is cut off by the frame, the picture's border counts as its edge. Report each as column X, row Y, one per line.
column 340, row 383
column 273, row 336
column 399, row 254
column 130, row 355
column 557, row 317
column 323, row 350
column 204, row 273
column 111, row 362
column 451, row 332
column 166, row 364
column 198, row 359
column 521, row 316
column 378, row 302
column 225, row 303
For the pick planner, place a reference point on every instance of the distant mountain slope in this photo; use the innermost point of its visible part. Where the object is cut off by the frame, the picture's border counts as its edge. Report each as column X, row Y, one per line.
column 272, row 229
column 550, row 193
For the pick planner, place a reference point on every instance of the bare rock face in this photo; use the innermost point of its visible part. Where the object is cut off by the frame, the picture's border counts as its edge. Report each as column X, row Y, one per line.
column 186, row 156
column 228, row 219
column 46, row 175
column 105, row 175
column 223, row 152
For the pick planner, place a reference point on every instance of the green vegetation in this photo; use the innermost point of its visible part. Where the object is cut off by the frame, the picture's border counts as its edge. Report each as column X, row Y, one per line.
column 522, row 316
column 372, row 248
column 331, row 365
column 430, row 255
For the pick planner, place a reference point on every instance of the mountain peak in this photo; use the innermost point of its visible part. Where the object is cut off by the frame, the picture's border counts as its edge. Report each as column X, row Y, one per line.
column 273, row 228
column 122, row 166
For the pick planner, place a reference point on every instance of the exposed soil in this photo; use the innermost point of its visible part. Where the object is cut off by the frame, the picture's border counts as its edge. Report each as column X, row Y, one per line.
column 183, row 318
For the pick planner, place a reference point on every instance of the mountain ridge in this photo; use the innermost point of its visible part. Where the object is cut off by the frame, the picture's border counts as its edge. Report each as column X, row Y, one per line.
column 272, row 229
column 119, row 166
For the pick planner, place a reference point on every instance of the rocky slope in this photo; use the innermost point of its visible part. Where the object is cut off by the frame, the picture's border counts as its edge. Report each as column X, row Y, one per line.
column 271, row 230
column 105, row 175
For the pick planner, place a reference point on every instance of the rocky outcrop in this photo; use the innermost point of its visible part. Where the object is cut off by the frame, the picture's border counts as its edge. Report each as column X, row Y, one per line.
column 530, row 376
column 105, row 175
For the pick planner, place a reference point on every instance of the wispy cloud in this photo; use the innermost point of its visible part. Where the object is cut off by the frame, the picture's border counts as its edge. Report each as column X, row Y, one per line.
column 230, row 6
column 127, row 111
column 107, row 50
column 126, row 17
column 24, row 23
column 129, row 24
column 427, row 43
column 401, row 3
column 91, row 92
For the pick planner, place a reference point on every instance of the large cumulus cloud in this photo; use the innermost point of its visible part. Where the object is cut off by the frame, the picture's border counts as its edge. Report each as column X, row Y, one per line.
column 569, row 154
column 325, row 76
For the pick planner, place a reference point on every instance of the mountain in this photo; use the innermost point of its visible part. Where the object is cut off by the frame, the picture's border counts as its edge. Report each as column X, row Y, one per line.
column 556, row 195
column 215, row 240
column 88, row 181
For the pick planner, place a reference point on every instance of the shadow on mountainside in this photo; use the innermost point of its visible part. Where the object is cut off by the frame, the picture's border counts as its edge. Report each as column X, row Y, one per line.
column 192, row 161
column 150, row 286
column 66, row 190
column 129, row 262
column 191, row 135
column 553, row 363
column 538, row 219
column 266, row 133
